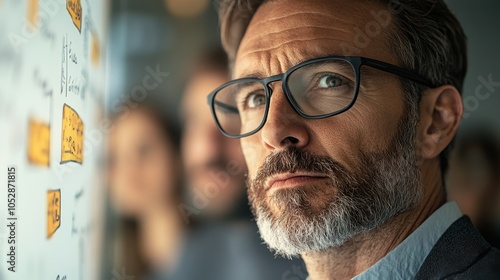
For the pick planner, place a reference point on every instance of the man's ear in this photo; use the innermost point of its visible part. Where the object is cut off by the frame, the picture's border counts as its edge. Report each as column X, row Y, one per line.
column 441, row 111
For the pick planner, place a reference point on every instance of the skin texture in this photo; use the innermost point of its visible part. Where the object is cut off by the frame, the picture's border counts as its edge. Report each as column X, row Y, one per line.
column 281, row 35
column 205, row 150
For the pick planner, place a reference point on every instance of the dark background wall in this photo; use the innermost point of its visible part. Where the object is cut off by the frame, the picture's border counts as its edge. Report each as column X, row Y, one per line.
column 482, row 27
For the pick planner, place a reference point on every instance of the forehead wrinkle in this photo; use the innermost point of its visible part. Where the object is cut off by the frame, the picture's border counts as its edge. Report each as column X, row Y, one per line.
column 298, row 21
column 269, row 43
column 273, row 39
column 261, row 42
column 311, row 28
column 319, row 17
column 289, row 33
column 255, row 51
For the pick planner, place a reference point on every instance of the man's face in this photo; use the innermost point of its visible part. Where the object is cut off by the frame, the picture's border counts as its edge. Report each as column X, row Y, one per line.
column 316, row 183
column 211, row 160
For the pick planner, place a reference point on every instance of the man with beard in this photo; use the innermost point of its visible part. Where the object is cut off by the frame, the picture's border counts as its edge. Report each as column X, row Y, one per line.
column 346, row 111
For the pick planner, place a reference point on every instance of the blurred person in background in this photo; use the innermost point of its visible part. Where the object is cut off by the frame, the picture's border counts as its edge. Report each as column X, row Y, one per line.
column 474, row 182
column 144, row 181
column 210, row 159
column 223, row 242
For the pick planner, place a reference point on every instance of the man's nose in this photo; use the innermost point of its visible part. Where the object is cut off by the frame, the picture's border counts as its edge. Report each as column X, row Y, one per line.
column 284, row 126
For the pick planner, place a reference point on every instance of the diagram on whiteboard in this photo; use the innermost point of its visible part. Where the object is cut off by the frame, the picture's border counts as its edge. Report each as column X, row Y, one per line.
column 52, row 79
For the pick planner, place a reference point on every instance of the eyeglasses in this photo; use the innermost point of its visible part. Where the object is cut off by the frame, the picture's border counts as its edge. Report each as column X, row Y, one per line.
column 316, row 89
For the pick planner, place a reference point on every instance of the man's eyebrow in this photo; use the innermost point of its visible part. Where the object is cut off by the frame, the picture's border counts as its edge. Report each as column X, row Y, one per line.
column 261, row 75
column 255, row 74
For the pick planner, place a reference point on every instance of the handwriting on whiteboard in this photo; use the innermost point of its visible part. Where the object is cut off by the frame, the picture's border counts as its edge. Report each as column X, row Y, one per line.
column 70, row 83
column 72, row 136
column 73, row 85
column 64, row 67
column 42, row 83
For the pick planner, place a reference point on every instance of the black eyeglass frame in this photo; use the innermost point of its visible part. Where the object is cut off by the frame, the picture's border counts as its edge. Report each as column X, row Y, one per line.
column 355, row 61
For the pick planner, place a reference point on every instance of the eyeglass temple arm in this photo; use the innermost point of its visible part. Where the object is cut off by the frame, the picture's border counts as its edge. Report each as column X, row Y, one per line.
column 386, row 67
column 226, row 107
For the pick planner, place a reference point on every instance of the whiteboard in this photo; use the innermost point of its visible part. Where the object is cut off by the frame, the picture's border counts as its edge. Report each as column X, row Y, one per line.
column 52, row 134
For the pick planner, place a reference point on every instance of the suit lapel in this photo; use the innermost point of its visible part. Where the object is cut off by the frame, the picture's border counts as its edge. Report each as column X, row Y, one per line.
column 456, row 250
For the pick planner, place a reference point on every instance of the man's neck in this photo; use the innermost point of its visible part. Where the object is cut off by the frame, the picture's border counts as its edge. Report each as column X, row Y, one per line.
column 364, row 250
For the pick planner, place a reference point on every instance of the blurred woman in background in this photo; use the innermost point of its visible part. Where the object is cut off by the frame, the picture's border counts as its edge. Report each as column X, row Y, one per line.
column 474, row 182
column 145, row 189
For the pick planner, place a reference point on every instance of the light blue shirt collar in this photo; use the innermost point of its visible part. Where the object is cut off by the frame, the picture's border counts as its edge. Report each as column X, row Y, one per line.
column 404, row 261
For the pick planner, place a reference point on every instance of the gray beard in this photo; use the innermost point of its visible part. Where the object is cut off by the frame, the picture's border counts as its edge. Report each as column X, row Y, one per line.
column 386, row 184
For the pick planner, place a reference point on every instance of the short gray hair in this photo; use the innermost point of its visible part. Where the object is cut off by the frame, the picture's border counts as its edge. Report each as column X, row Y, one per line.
column 428, row 40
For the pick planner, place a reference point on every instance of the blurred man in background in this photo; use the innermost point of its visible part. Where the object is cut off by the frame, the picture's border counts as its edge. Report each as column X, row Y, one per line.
column 213, row 163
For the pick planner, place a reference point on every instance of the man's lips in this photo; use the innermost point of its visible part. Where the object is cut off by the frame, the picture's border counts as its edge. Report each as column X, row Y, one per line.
column 291, row 179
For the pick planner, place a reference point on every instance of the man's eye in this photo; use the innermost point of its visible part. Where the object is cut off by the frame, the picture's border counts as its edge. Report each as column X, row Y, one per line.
column 255, row 100
column 330, row 81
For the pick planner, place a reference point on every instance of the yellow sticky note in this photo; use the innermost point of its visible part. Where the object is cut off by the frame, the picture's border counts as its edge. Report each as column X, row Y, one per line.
column 74, row 8
column 33, row 13
column 38, row 143
column 72, row 136
column 95, row 50
column 53, row 211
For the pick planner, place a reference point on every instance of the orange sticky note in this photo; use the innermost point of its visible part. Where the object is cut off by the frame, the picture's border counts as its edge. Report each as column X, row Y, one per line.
column 74, row 8
column 38, row 143
column 72, row 136
column 33, row 12
column 95, row 51
column 53, row 211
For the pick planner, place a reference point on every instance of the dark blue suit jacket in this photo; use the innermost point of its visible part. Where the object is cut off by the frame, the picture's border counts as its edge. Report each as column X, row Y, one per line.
column 461, row 253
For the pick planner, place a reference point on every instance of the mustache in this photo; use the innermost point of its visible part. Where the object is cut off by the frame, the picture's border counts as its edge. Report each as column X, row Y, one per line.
column 292, row 160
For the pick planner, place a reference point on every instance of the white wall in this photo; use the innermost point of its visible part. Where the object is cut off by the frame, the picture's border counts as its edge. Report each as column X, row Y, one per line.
column 51, row 58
